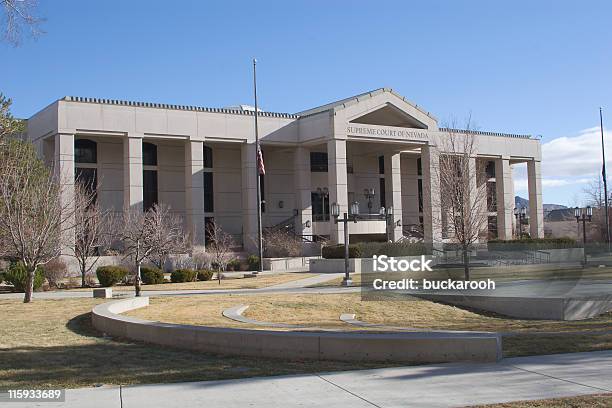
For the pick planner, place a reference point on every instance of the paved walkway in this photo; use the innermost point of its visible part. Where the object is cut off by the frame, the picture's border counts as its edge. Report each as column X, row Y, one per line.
column 439, row 385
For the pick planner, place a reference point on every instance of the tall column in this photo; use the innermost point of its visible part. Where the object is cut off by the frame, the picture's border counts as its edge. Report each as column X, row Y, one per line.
column 338, row 189
column 393, row 193
column 478, row 195
column 194, row 191
column 505, row 199
column 432, row 215
column 249, row 197
column 132, row 172
column 536, row 210
column 303, row 189
column 64, row 172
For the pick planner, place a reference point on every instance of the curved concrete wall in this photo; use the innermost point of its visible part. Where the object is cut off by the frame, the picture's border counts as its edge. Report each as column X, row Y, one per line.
column 343, row 346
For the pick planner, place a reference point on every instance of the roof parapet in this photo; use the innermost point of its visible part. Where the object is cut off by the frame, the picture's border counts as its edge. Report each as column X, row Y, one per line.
column 177, row 107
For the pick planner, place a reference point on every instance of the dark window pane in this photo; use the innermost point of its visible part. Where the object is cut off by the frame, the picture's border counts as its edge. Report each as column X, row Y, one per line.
column 208, row 224
column 318, row 161
column 208, row 157
column 383, row 198
column 209, row 202
column 149, row 154
column 490, row 169
column 419, row 167
column 88, row 178
column 320, row 206
column 85, row 151
column 381, row 164
column 420, row 192
column 149, row 189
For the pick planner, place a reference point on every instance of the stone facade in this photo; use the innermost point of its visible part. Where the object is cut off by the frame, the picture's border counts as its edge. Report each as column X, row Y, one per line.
column 204, row 163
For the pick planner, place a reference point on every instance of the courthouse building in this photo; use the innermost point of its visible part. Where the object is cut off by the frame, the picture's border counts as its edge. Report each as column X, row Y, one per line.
column 376, row 149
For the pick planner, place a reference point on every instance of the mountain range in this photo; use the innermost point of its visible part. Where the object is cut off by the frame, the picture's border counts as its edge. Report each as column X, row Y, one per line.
column 523, row 202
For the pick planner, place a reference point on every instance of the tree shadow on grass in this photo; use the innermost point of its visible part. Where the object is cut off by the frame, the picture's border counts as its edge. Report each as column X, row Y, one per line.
column 92, row 358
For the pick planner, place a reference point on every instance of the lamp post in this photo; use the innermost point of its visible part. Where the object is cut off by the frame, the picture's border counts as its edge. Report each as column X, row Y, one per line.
column 584, row 215
column 335, row 210
column 387, row 213
column 521, row 215
column 369, row 194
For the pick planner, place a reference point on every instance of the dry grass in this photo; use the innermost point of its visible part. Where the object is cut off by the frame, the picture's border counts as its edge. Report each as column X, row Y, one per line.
column 323, row 310
column 51, row 344
column 228, row 283
column 584, row 401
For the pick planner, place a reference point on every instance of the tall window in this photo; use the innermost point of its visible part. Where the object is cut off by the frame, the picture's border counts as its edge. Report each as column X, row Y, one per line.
column 150, row 195
column 149, row 154
column 209, row 202
column 320, row 206
column 318, row 161
column 85, row 151
column 208, row 158
column 381, row 164
column 420, row 193
column 86, row 159
column 419, row 167
column 149, row 191
column 383, row 195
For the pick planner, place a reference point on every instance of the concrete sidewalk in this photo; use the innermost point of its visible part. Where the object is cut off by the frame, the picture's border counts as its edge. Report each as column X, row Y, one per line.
column 439, row 385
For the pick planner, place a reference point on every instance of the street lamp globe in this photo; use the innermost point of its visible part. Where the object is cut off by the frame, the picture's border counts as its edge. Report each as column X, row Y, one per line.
column 589, row 211
column 390, row 210
column 523, row 211
column 355, row 208
column 382, row 211
column 335, row 210
column 577, row 212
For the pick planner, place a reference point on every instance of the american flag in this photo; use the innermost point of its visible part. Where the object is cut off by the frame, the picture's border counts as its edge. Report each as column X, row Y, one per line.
column 260, row 161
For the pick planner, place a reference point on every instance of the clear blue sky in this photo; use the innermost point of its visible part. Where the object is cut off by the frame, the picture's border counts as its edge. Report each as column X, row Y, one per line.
column 538, row 67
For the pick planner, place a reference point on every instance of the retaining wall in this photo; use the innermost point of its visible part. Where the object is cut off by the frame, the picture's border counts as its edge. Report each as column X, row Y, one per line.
column 343, row 346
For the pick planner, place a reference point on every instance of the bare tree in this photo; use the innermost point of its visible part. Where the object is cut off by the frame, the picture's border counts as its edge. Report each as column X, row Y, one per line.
column 35, row 222
column 594, row 196
column 19, row 15
column 142, row 235
column 169, row 236
column 463, row 194
column 91, row 231
column 220, row 247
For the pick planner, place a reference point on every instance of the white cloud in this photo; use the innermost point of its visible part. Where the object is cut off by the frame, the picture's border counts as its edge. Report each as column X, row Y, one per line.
column 567, row 161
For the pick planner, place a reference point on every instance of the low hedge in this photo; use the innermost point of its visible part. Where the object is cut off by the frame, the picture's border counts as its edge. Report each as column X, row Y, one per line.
column 151, row 275
column 183, row 275
column 110, row 275
column 531, row 244
column 204, row 274
column 369, row 249
column 17, row 276
column 253, row 262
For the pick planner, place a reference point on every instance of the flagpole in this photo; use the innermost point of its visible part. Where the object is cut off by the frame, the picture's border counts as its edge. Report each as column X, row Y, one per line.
column 257, row 158
column 605, row 179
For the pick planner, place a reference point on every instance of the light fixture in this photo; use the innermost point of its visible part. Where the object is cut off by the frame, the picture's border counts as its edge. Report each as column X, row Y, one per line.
column 589, row 211
column 281, row 204
column 516, row 211
column 577, row 212
column 335, row 210
column 523, row 210
column 307, row 224
column 390, row 210
column 355, row 208
column 382, row 211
